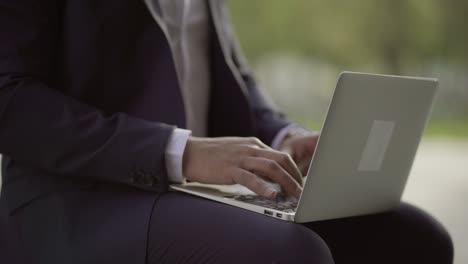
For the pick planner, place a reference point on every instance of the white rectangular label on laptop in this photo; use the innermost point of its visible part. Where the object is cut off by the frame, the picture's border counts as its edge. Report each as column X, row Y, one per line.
column 376, row 146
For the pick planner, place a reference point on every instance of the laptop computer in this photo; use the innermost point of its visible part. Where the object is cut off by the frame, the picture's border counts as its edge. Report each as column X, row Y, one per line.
column 363, row 158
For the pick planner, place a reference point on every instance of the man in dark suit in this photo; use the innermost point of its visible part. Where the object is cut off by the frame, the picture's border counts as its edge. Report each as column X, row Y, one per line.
column 103, row 103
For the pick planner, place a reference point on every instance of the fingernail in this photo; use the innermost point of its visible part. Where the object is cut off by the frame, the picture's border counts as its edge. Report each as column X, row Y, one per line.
column 272, row 194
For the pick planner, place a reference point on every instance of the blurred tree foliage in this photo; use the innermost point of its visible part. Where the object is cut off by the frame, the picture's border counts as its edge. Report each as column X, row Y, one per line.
column 418, row 37
column 393, row 34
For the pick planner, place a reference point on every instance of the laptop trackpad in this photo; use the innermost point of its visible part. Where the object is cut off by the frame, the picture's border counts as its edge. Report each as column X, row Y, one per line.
column 214, row 189
column 221, row 190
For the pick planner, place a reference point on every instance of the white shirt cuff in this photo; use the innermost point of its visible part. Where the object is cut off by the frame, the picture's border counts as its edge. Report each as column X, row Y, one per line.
column 174, row 154
column 278, row 139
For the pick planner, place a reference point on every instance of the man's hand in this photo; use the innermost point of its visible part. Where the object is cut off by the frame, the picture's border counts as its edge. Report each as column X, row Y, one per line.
column 301, row 147
column 245, row 161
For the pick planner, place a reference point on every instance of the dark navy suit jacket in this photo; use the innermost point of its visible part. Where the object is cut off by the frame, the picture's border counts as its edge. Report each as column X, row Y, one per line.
column 89, row 97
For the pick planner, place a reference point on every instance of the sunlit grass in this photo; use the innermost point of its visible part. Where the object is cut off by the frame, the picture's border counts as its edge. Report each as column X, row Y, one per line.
column 448, row 128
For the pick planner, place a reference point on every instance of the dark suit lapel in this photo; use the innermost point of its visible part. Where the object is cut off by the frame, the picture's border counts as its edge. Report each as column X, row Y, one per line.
column 218, row 13
column 215, row 11
column 155, row 10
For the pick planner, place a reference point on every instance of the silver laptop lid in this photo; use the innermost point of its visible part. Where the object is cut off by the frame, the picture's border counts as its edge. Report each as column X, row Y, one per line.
column 367, row 145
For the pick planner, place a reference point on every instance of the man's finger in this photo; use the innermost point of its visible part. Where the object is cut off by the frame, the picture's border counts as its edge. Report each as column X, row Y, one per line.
column 304, row 166
column 257, row 142
column 272, row 170
column 284, row 160
column 253, row 183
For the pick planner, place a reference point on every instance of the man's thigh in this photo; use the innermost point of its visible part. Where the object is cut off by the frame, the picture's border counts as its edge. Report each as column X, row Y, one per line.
column 405, row 235
column 100, row 224
column 188, row 229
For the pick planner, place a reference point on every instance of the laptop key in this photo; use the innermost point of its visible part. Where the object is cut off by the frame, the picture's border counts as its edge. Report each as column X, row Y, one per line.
column 281, row 203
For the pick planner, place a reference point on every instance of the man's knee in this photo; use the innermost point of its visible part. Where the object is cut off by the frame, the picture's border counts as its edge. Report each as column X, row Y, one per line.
column 428, row 233
column 298, row 244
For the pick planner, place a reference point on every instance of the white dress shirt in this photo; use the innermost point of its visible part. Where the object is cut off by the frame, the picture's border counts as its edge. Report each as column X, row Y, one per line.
column 187, row 29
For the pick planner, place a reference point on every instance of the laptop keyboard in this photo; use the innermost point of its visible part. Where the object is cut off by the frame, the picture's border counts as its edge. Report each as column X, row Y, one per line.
column 281, row 203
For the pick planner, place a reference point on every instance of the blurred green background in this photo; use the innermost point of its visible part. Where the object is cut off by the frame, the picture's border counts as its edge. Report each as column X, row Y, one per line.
column 297, row 48
column 302, row 45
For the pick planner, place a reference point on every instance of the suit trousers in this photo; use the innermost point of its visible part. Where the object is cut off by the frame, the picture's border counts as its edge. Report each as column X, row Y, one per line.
column 121, row 225
column 188, row 229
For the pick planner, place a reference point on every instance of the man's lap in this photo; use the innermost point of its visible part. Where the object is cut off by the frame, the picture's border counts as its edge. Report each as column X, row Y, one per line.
column 404, row 235
column 100, row 224
column 103, row 223
column 184, row 228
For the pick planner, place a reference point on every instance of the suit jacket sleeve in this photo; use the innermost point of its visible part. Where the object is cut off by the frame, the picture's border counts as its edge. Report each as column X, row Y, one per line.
column 53, row 132
column 268, row 120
